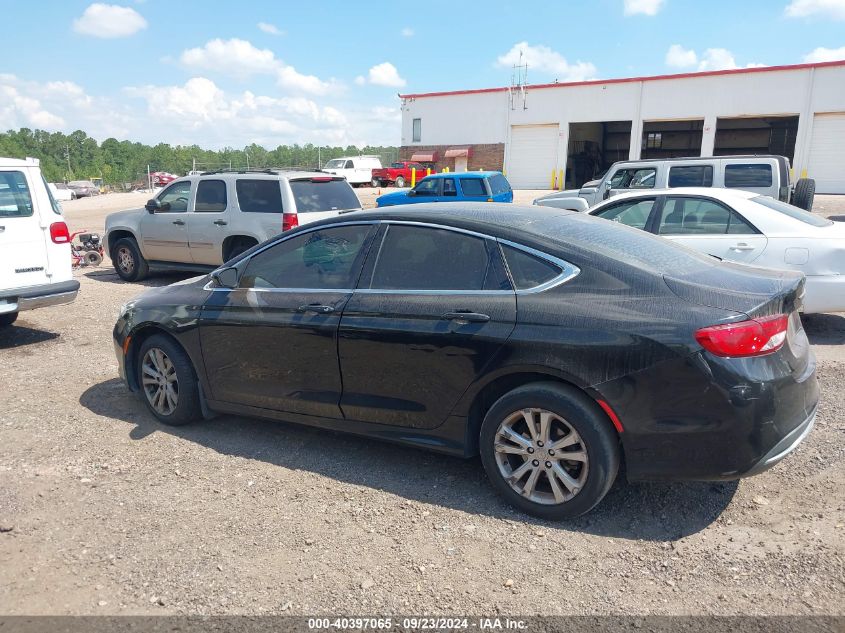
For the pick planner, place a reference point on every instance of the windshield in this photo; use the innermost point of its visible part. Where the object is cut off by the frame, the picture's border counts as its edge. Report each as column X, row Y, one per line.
column 336, row 163
column 793, row 212
column 323, row 195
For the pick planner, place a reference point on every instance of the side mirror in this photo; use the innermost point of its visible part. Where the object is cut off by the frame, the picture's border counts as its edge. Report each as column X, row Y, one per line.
column 226, row 277
column 607, row 186
column 412, row 192
column 152, row 205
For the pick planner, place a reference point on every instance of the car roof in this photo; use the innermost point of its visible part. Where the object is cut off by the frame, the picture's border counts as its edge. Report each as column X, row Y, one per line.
column 464, row 174
column 709, row 192
column 291, row 174
column 18, row 162
column 687, row 158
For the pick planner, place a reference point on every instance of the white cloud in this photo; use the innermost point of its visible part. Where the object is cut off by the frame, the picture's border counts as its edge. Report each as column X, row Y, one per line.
column 240, row 58
column 233, row 57
column 824, row 8
column 547, row 61
column 644, row 7
column 407, row 32
column 271, row 29
column 717, row 59
column 822, row 54
column 360, row 80
column 679, row 57
column 109, row 21
column 385, row 74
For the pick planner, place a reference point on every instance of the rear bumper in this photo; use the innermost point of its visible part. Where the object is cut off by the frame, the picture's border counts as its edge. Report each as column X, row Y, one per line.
column 784, row 447
column 32, row 297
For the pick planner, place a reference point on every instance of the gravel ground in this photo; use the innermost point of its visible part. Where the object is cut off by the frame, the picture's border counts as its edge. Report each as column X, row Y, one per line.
column 105, row 511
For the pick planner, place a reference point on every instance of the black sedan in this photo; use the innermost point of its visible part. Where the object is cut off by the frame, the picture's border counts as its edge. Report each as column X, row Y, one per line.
column 550, row 342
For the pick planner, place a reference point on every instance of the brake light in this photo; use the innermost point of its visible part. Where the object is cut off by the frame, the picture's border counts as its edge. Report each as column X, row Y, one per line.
column 59, row 233
column 322, row 179
column 756, row 337
column 289, row 221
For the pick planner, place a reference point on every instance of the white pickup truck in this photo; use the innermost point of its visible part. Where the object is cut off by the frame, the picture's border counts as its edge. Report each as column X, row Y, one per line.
column 35, row 266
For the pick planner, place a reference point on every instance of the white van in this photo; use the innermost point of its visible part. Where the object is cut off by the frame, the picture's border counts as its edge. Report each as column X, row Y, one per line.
column 35, row 268
column 357, row 170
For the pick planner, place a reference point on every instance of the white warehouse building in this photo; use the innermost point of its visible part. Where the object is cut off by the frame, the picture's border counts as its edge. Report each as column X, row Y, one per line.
column 580, row 129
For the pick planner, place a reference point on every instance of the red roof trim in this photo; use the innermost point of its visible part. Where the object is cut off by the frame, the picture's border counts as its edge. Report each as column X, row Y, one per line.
column 594, row 82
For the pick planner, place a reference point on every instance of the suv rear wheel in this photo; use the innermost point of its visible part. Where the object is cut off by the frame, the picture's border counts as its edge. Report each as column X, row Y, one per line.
column 804, row 194
column 549, row 451
column 128, row 261
column 8, row 318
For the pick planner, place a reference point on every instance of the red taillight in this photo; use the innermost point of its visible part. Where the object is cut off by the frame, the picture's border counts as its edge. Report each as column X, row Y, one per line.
column 59, row 233
column 746, row 338
column 289, row 221
column 322, row 179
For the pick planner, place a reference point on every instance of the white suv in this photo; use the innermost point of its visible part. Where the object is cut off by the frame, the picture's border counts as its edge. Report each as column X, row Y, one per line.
column 198, row 222
column 35, row 267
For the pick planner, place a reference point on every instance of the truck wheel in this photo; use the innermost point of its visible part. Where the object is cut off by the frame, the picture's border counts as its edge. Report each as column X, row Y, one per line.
column 129, row 264
column 805, row 192
column 400, row 181
column 375, row 182
column 8, row 318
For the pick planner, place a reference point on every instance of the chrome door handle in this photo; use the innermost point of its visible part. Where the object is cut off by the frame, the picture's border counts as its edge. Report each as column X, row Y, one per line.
column 466, row 317
column 313, row 307
column 221, row 222
column 179, row 222
column 742, row 246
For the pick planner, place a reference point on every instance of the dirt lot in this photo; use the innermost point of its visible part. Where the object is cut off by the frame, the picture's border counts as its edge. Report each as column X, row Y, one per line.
column 103, row 510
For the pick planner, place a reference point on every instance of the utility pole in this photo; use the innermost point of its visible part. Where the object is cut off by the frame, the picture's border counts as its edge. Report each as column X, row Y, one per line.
column 246, row 153
column 67, row 156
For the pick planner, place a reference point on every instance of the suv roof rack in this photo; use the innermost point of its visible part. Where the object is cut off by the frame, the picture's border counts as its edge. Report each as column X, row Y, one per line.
column 261, row 170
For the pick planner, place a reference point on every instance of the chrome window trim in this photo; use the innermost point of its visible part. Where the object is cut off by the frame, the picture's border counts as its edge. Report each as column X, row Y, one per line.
column 568, row 271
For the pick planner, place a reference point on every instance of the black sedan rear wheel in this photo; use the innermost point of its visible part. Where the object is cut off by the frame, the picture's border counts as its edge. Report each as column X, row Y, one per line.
column 549, row 451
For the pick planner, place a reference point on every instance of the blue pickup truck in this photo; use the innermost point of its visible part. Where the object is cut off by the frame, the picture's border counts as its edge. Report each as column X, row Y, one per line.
column 469, row 186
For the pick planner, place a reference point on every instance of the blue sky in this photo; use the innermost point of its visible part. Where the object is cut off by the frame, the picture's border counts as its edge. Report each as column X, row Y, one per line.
column 231, row 73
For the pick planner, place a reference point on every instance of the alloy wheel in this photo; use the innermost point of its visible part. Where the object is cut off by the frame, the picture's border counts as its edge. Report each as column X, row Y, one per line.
column 541, row 456
column 125, row 260
column 161, row 385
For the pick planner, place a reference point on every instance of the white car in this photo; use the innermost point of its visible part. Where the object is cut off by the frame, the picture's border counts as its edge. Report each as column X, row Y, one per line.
column 35, row 268
column 744, row 227
column 61, row 191
column 358, row 170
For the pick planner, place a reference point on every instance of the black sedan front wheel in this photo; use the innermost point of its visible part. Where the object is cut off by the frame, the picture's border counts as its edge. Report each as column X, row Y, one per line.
column 549, row 451
column 168, row 381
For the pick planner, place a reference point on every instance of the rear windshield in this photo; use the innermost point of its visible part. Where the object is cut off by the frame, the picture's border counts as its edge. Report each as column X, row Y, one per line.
column 323, row 195
column 793, row 212
column 499, row 184
column 259, row 196
column 15, row 201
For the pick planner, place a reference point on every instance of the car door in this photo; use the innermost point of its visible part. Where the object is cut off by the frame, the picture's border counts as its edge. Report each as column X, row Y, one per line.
column 271, row 343
column 207, row 222
column 433, row 308
column 474, row 189
column 164, row 234
column 710, row 227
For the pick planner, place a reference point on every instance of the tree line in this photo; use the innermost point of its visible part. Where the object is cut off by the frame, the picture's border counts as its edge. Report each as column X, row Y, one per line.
column 121, row 164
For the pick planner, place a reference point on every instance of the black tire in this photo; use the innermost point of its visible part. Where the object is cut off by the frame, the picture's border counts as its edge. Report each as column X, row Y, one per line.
column 128, row 262
column 375, row 182
column 187, row 407
column 804, row 194
column 400, row 182
column 598, row 440
column 8, row 318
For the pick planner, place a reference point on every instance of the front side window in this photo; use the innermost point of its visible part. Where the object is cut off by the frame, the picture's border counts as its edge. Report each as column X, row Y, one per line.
column 335, row 163
column 412, row 258
column 417, row 131
column 698, row 216
column 259, row 196
column 634, row 178
column 691, row 176
column 748, row 175
column 429, row 187
column 320, row 194
column 324, row 259
column 473, row 187
column 528, row 271
column 211, row 196
column 15, row 199
column 630, row 212
column 349, row 165
column 449, row 187
column 174, row 199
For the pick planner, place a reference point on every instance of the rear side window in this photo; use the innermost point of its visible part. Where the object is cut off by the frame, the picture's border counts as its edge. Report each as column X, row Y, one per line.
column 691, row 176
column 15, row 200
column 499, row 184
column 528, row 271
column 751, row 175
column 211, row 196
column 473, row 187
column 259, row 196
column 697, row 216
column 412, row 258
column 323, row 195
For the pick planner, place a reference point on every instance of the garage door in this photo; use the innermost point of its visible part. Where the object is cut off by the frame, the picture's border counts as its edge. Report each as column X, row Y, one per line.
column 533, row 156
column 827, row 153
